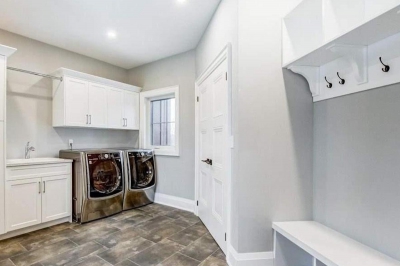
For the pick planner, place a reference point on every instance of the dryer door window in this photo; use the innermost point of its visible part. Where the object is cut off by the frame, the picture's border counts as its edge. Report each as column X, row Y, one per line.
column 145, row 172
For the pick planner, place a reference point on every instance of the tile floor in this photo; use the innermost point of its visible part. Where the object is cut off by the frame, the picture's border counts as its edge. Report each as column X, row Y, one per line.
column 152, row 235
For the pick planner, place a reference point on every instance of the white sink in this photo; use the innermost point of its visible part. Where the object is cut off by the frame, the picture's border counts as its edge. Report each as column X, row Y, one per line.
column 33, row 161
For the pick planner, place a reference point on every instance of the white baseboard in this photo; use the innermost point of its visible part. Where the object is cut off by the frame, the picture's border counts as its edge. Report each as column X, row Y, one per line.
column 35, row 228
column 176, row 202
column 249, row 259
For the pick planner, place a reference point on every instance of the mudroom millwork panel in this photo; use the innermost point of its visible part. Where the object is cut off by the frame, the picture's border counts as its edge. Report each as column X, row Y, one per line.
column 5, row 51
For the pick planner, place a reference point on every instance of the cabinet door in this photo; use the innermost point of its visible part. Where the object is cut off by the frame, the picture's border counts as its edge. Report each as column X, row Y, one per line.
column 56, row 197
column 76, row 102
column 23, row 203
column 97, row 105
column 115, row 108
column 131, row 110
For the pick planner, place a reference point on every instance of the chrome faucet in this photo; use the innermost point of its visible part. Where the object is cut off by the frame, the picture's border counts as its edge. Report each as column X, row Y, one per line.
column 28, row 150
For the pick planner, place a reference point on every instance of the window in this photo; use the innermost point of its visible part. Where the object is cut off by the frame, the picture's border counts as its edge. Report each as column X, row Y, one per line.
column 163, row 122
column 159, row 118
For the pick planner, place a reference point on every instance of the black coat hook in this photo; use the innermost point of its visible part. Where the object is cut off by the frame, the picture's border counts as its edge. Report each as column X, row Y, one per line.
column 329, row 84
column 386, row 67
column 342, row 81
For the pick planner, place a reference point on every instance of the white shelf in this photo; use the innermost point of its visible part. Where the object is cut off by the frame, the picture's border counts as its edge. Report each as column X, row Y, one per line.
column 379, row 28
column 329, row 247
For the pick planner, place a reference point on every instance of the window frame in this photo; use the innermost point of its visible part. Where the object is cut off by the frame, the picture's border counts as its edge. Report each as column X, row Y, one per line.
column 146, row 97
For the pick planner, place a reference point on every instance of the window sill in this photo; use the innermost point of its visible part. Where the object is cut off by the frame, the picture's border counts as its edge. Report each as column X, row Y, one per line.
column 166, row 153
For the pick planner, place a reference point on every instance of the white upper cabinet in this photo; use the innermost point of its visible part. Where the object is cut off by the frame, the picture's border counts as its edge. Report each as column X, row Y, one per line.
column 123, row 109
column 83, row 100
column 115, row 109
column 76, row 102
column 374, row 8
column 97, row 105
column 131, row 105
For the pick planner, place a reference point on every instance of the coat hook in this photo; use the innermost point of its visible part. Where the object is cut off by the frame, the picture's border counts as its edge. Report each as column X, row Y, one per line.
column 342, row 81
column 386, row 67
column 329, row 84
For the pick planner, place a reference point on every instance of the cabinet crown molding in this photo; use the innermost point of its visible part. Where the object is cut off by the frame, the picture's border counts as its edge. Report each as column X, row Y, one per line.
column 91, row 78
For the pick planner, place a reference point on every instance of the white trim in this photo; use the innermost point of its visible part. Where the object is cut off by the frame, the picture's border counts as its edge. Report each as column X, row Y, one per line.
column 249, row 259
column 176, row 202
column 225, row 54
column 145, row 98
column 35, row 228
column 95, row 79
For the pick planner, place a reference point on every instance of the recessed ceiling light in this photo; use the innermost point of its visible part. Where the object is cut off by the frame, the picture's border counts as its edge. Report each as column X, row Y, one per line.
column 111, row 34
column 181, row 1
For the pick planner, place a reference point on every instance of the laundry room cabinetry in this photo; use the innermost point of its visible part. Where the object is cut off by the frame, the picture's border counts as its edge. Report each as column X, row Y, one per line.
column 82, row 100
column 37, row 193
column 122, row 109
column 5, row 52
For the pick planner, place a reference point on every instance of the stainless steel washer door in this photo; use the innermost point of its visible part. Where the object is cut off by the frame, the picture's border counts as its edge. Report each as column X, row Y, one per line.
column 105, row 177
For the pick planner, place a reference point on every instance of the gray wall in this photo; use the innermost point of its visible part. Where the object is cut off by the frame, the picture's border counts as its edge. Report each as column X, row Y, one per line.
column 29, row 100
column 275, row 129
column 176, row 174
column 273, row 116
column 356, row 166
column 223, row 29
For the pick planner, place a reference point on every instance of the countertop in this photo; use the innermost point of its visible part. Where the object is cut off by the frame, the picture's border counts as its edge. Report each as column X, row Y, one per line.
column 35, row 161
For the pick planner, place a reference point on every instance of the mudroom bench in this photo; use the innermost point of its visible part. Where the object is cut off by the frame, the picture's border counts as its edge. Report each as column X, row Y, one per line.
column 313, row 244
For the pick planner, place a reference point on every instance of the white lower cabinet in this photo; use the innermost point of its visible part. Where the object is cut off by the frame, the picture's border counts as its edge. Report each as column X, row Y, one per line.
column 56, row 197
column 23, row 203
column 32, row 199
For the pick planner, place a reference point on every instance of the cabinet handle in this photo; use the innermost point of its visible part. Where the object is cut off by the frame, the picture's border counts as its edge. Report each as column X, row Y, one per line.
column 44, row 186
column 87, row 119
column 40, row 187
column 90, row 119
column 126, row 119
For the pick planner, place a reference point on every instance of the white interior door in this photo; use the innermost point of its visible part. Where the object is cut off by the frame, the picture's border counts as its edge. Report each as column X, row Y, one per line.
column 131, row 110
column 97, row 105
column 115, row 108
column 77, row 100
column 213, row 153
column 56, row 197
column 23, row 203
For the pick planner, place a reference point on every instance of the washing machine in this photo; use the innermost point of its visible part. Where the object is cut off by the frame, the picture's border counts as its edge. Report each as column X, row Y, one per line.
column 97, row 182
column 140, row 178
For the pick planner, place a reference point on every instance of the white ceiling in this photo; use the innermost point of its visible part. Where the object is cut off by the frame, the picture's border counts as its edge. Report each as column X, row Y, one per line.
column 147, row 30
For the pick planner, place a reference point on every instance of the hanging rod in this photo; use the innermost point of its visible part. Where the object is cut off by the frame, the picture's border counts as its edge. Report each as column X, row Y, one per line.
column 34, row 73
